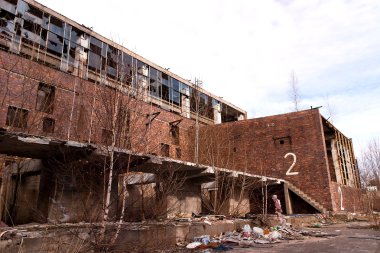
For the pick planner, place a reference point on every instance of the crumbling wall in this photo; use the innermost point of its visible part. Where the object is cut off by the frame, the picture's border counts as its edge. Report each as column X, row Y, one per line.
column 76, row 192
column 19, row 191
column 239, row 203
column 351, row 198
column 81, row 110
column 140, row 201
column 186, row 200
column 260, row 145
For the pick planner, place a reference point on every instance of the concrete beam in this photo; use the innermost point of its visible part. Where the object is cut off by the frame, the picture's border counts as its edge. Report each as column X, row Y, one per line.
column 288, row 203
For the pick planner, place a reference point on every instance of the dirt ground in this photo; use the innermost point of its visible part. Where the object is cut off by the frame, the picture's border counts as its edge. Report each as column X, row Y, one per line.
column 353, row 237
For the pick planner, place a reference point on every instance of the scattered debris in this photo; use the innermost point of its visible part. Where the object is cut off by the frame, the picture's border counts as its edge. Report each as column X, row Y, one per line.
column 249, row 237
column 325, row 219
column 193, row 245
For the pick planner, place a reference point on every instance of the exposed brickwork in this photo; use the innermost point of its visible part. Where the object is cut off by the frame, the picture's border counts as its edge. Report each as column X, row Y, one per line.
column 83, row 111
column 259, row 146
column 352, row 200
column 83, row 117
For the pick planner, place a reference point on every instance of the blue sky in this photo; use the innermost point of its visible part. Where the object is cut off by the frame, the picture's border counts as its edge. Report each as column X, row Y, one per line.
column 244, row 50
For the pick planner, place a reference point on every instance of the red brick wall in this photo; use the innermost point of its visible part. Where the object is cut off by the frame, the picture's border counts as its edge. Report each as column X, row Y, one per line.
column 84, row 117
column 259, row 145
column 352, row 200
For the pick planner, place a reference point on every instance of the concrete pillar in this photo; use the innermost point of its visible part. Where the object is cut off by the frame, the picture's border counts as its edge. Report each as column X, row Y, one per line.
column 186, row 200
column 217, row 113
column 288, row 203
column 141, row 84
column 185, row 102
column 239, row 204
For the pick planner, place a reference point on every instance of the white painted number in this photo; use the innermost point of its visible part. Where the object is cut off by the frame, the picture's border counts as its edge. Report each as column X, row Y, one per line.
column 289, row 173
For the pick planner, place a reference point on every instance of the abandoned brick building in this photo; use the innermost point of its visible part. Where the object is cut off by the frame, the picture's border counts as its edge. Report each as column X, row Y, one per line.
column 74, row 104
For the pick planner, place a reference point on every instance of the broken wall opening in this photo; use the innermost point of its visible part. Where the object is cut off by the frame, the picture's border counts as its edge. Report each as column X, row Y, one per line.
column 299, row 206
column 261, row 199
column 19, row 191
column 340, row 155
column 45, row 98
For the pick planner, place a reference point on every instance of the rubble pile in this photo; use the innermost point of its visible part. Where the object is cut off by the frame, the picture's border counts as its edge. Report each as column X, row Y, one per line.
column 249, row 237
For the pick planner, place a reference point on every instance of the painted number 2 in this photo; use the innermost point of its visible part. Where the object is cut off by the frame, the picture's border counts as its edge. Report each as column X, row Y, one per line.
column 289, row 173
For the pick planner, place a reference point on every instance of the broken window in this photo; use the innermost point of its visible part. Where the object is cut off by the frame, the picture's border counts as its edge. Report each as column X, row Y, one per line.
column 45, row 98
column 32, row 27
column 55, row 44
column 229, row 114
column 164, row 149
column 165, row 79
column 112, row 56
column 48, row 125
column 165, row 87
column 56, row 26
column 94, row 56
column 44, row 34
column 175, row 96
column 72, row 52
column 17, row 117
column 95, row 49
column 142, row 75
column 6, row 19
column 205, row 106
column 165, row 92
column 142, row 68
column 174, row 133
column 76, row 35
column 35, row 11
column 154, row 83
column 125, row 69
column 201, row 103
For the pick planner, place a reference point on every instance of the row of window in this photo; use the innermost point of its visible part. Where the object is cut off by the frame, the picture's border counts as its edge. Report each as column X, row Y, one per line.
column 18, row 117
column 165, row 151
column 27, row 25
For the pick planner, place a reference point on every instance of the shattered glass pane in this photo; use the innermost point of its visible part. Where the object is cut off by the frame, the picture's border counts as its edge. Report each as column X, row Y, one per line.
column 6, row 20
column 55, row 44
column 175, row 84
column 56, row 26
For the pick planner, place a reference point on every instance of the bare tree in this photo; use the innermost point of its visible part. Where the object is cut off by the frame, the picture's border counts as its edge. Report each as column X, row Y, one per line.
column 229, row 192
column 294, row 93
column 370, row 173
column 329, row 107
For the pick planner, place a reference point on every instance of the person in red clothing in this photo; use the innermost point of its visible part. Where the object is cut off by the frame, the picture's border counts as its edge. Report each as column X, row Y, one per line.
column 278, row 210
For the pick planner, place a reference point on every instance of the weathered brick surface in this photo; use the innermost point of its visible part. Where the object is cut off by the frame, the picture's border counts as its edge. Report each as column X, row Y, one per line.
column 259, row 146
column 83, row 116
column 352, row 198
column 83, row 110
